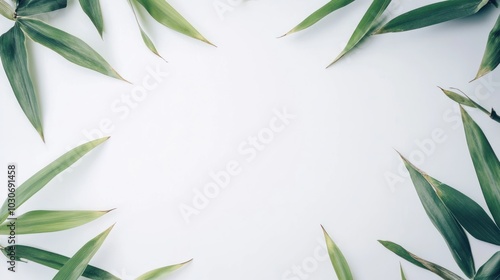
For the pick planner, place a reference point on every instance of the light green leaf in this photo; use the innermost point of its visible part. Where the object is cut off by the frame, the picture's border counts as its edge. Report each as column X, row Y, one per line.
column 337, row 258
column 145, row 38
column 6, row 10
column 322, row 12
column 491, row 57
column 403, row 253
column 74, row 267
column 443, row 220
column 490, row 270
column 34, row 7
column 67, row 45
column 486, row 164
column 93, row 10
column 161, row 272
column 42, row 177
column 165, row 14
column 463, row 100
column 433, row 14
column 403, row 276
column 55, row 261
column 50, row 221
column 15, row 63
column 365, row 26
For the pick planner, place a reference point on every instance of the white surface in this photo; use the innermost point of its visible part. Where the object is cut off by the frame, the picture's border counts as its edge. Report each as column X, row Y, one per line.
column 326, row 167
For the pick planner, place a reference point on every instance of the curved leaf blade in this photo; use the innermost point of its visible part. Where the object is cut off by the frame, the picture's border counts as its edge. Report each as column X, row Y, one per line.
column 491, row 57
column 55, row 261
column 93, row 10
column 145, row 38
column 159, row 273
column 67, row 45
column 6, row 10
column 15, row 63
column 34, row 7
column 490, row 270
column 42, row 177
column 337, row 258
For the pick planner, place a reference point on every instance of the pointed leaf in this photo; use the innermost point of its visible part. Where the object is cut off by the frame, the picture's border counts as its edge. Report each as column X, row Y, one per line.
column 433, row 14
column 33, row 7
column 403, row 253
column 15, row 63
column 322, row 12
column 42, row 177
column 337, row 258
column 74, row 267
column 486, row 164
column 67, row 45
column 161, row 272
column 55, row 261
column 443, row 220
column 145, row 38
column 403, row 277
column 50, row 221
column 6, row 10
column 365, row 26
column 491, row 57
column 165, row 14
column 490, row 270
column 93, row 10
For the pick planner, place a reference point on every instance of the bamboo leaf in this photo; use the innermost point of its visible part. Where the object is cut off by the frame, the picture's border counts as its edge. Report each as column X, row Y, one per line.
column 365, row 26
column 15, row 63
column 33, row 7
column 6, row 10
column 463, row 100
column 490, row 270
column 433, row 14
column 93, row 10
column 165, row 14
column 322, row 12
column 491, row 57
column 486, row 164
column 74, row 267
column 443, row 220
column 42, row 177
column 67, row 45
column 403, row 276
column 403, row 253
column 161, row 272
column 145, row 38
column 337, row 258
column 50, row 221
column 55, row 261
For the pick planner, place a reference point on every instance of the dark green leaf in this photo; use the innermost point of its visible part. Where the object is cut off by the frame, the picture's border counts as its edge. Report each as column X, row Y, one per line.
column 93, row 10
column 33, row 7
column 337, row 258
column 491, row 57
column 161, row 272
column 490, row 270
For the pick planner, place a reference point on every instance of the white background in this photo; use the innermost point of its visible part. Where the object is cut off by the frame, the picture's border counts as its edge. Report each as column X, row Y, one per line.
column 327, row 167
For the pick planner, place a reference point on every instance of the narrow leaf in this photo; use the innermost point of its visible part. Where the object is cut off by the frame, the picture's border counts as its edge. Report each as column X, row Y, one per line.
column 6, row 10
column 491, row 57
column 145, row 38
column 365, row 26
column 93, row 10
column 161, row 272
column 486, row 164
column 67, row 45
column 403, row 276
column 15, row 63
column 443, row 220
column 50, row 221
column 433, row 14
column 74, row 267
column 165, row 14
column 322, row 12
column 55, row 261
column 42, row 177
column 33, row 7
column 403, row 253
column 490, row 270
column 337, row 258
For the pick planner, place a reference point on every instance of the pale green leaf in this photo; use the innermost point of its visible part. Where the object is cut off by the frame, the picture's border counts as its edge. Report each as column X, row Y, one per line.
column 33, row 7
column 93, row 10
column 403, row 276
column 6, row 10
column 145, row 38
column 337, row 258
column 491, row 57
column 490, row 270
column 161, row 272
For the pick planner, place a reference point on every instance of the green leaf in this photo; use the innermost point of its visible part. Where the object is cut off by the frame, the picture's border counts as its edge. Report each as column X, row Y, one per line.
column 338, row 260
column 443, row 220
column 74, row 267
column 50, row 221
column 42, row 177
column 160, row 272
column 403, row 276
column 463, row 100
column 93, row 10
column 490, row 270
column 491, row 57
column 15, row 63
column 403, row 253
column 486, row 164
column 322, row 12
column 55, row 261
column 365, row 26
column 145, row 38
column 433, row 14
column 33, row 7
column 67, row 45
column 165, row 14
column 6, row 10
